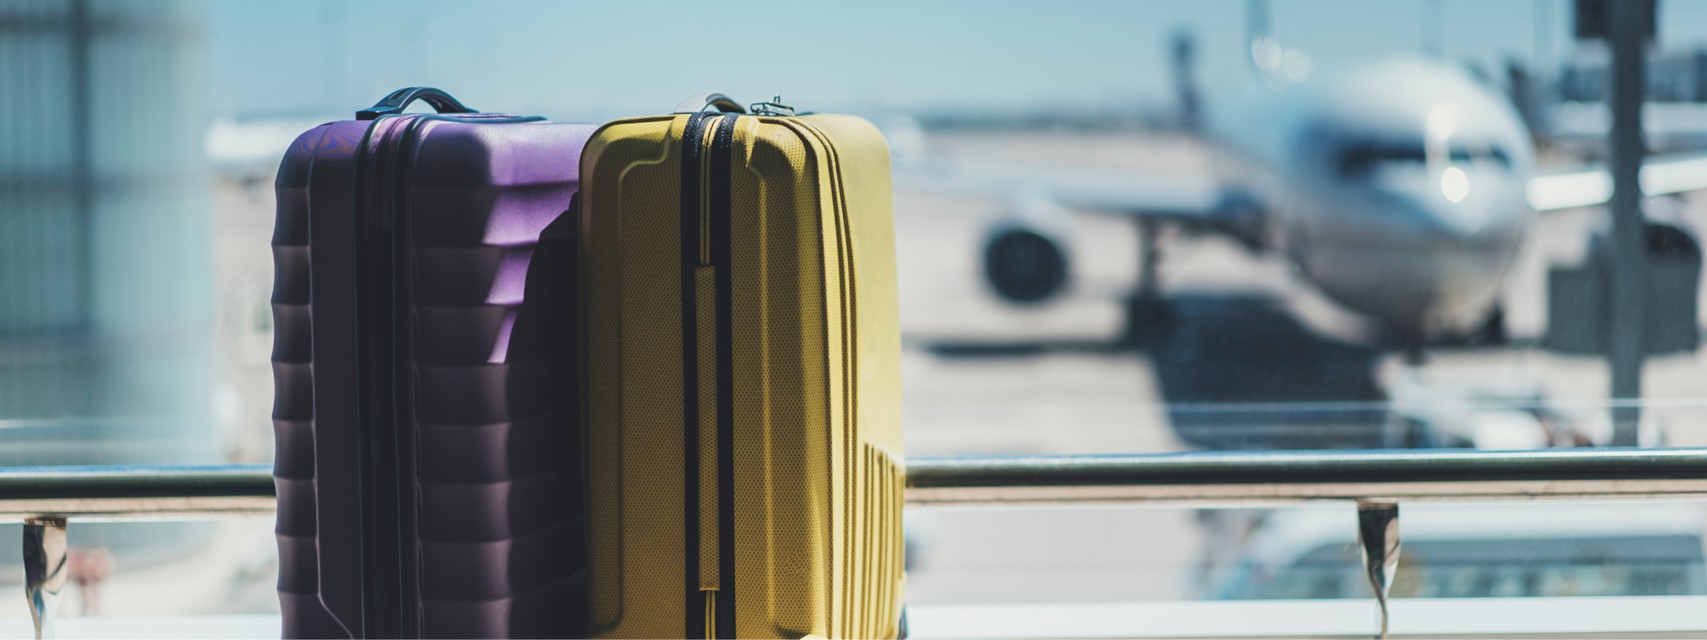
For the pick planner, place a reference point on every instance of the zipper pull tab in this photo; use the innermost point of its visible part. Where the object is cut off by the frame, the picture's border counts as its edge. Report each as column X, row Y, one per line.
column 773, row 108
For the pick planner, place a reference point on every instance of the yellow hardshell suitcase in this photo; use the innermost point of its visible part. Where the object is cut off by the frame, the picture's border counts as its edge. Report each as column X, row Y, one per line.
column 742, row 391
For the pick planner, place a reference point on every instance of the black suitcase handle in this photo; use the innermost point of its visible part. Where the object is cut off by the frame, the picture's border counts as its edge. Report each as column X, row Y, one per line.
column 713, row 101
column 400, row 99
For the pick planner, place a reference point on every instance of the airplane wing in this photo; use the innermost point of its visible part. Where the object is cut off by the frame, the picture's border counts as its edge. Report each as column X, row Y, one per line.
column 1661, row 175
column 1182, row 197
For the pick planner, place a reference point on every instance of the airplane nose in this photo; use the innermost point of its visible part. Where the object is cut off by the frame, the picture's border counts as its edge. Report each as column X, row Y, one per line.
column 1467, row 205
column 1420, row 247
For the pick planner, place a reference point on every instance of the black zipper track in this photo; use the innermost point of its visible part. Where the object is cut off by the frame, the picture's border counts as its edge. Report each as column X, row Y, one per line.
column 385, row 334
column 410, row 618
column 374, row 306
column 692, row 137
column 718, row 209
column 722, row 160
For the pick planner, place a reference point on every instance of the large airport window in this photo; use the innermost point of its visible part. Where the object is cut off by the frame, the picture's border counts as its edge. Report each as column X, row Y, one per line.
column 1119, row 228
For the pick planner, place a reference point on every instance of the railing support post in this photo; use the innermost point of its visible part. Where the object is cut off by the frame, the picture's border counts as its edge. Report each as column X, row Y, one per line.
column 1378, row 533
column 44, row 569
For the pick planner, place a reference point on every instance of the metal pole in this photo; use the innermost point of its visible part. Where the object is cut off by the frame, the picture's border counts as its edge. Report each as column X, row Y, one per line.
column 1628, row 298
column 1378, row 537
column 44, row 570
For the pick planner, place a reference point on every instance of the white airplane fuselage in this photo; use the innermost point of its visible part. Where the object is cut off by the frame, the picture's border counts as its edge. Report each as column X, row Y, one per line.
column 1398, row 190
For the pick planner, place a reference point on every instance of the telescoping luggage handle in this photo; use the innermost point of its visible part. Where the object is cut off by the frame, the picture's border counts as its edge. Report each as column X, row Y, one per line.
column 400, row 99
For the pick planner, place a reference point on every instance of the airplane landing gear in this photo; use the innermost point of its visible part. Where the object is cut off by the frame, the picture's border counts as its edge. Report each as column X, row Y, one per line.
column 1147, row 314
column 1492, row 329
column 1411, row 343
column 1148, row 318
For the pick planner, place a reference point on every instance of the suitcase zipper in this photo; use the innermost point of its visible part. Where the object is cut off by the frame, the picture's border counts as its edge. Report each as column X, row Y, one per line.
column 383, row 289
column 411, row 619
column 705, row 243
column 375, row 311
column 391, row 581
column 722, row 167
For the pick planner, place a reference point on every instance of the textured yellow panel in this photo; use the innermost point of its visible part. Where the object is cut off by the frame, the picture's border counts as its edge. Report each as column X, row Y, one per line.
column 815, row 364
column 633, row 393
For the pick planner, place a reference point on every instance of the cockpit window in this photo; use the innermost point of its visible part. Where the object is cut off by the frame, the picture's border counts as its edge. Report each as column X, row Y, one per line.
column 1496, row 155
column 1359, row 158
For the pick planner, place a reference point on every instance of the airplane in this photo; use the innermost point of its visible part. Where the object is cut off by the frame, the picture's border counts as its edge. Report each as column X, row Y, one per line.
column 1402, row 190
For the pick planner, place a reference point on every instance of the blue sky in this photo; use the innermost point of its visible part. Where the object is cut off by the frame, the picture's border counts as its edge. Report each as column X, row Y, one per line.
column 591, row 60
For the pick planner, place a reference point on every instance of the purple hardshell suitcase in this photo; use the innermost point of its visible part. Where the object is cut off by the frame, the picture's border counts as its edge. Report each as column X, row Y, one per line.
column 424, row 361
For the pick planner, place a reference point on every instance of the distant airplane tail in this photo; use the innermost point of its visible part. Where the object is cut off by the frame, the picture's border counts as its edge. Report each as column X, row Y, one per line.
column 1520, row 87
column 1184, row 58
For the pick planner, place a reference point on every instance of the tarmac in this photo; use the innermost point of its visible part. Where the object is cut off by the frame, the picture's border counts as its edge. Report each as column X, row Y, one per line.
column 1054, row 380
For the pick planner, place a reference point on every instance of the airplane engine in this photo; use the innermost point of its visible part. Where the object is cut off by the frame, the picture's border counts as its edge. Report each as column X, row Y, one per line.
column 1026, row 260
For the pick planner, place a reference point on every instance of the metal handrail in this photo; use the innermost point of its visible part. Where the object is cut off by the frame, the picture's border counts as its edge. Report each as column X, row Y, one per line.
column 46, row 499
column 129, row 492
column 1269, row 477
column 1208, row 478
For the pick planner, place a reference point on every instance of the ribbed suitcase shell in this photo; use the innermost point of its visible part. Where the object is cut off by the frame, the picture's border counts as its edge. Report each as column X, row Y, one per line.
column 486, row 332
column 812, row 367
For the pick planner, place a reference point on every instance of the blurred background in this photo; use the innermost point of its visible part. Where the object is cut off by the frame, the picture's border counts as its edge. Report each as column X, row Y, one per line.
column 1122, row 227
